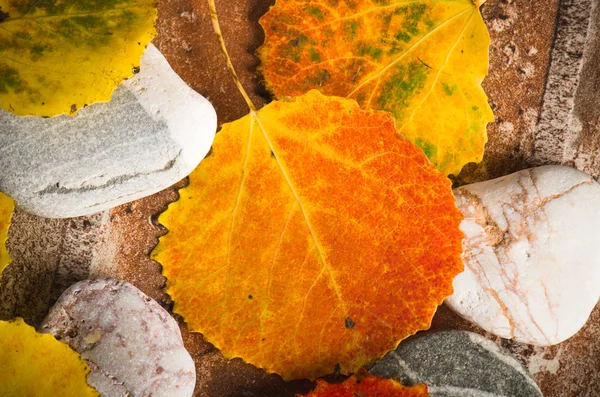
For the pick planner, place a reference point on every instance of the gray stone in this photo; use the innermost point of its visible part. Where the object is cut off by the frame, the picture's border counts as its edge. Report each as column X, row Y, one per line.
column 457, row 364
column 132, row 345
column 153, row 132
column 567, row 131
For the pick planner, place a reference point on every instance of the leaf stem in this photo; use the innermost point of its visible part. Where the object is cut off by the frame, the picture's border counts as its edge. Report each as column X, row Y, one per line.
column 217, row 28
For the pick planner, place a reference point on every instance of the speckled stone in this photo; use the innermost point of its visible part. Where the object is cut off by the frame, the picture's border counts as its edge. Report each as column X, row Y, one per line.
column 457, row 364
column 531, row 254
column 153, row 133
column 132, row 345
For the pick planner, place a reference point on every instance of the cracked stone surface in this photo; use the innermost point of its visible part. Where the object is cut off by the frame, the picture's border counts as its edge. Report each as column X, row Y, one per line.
column 531, row 254
column 458, row 363
column 154, row 132
column 132, row 345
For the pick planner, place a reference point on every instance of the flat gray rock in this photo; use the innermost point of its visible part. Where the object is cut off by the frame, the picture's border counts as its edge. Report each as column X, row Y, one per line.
column 569, row 121
column 153, row 133
column 132, row 345
column 458, row 364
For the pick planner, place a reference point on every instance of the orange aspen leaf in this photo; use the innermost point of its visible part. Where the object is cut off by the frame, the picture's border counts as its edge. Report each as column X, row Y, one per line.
column 313, row 237
column 37, row 365
column 7, row 205
column 58, row 56
column 366, row 385
column 422, row 60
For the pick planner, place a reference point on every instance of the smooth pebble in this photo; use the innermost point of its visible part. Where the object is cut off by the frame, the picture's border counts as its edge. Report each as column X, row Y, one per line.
column 132, row 345
column 153, row 133
column 531, row 254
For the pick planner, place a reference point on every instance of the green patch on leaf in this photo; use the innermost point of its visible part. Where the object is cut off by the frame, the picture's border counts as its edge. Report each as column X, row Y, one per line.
column 399, row 90
column 316, row 12
column 449, row 90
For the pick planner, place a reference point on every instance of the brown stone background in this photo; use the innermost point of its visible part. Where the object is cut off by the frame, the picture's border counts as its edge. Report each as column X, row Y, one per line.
column 50, row 255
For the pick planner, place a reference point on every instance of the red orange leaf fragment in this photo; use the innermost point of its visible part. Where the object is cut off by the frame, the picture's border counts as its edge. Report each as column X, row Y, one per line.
column 366, row 385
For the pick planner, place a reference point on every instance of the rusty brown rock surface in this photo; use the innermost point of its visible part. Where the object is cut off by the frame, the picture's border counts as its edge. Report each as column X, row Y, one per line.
column 186, row 38
column 51, row 255
column 521, row 35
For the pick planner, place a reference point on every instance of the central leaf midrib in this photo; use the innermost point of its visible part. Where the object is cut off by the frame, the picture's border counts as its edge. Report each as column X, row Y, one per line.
column 335, row 286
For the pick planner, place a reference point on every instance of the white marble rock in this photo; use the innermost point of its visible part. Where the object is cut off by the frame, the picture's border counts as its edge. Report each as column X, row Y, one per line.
column 531, row 254
column 153, row 133
column 132, row 345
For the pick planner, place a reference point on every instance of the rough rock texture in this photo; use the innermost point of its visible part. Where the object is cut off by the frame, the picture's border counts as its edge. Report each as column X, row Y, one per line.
column 519, row 57
column 457, row 363
column 154, row 132
column 187, row 38
column 567, row 132
column 132, row 345
column 531, row 254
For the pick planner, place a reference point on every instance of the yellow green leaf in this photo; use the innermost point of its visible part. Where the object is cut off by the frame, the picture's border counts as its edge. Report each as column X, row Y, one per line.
column 313, row 237
column 7, row 206
column 422, row 60
column 37, row 365
column 58, row 56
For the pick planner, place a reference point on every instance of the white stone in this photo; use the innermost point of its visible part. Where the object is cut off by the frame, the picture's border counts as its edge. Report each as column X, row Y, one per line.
column 531, row 254
column 153, row 132
column 132, row 345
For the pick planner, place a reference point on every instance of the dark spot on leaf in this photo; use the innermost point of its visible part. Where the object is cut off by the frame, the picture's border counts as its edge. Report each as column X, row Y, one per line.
column 337, row 370
column 250, row 297
column 73, row 108
column 136, row 69
column 349, row 323
column 3, row 15
column 420, row 60
column 273, row 154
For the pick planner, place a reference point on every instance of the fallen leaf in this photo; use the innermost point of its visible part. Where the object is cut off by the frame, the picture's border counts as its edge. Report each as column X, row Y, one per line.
column 366, row 385
column 37, row 365
column 7, row 205
column 422, row 60
column 313, row 237
column 57, row 57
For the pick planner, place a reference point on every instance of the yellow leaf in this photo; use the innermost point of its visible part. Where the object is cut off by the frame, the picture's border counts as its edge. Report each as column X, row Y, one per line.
column 422, row 60
column 58, row 56
column 37, row 365
column 313, row 236
column 7, row 206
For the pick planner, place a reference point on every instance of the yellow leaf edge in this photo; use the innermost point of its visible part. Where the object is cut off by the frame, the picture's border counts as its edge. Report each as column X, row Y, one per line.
column 68, row 363
column 7, row 206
